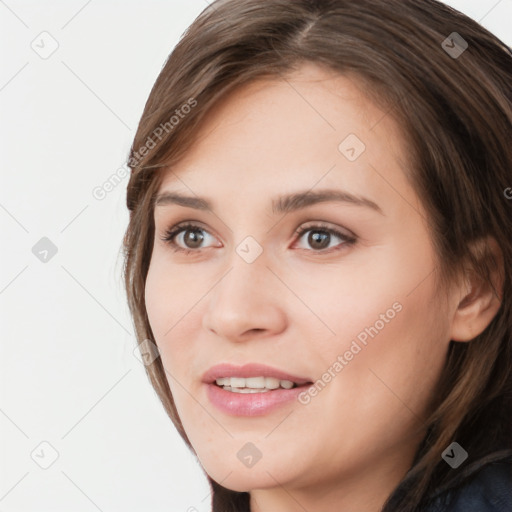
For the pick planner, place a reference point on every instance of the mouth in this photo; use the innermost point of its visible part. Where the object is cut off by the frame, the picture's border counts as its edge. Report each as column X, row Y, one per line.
column 252, row 389
column 256, row 395
column 258, row 384
column 252, row 377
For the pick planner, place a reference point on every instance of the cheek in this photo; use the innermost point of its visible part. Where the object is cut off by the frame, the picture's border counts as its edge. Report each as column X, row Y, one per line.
column 166, row 310
column 174, row 309
column 384, row 364
column 389, row 347
column 169, row 295
column 159, row 303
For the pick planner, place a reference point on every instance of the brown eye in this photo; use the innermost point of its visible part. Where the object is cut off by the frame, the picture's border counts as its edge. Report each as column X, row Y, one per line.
column 193, row 237
column 320, row 237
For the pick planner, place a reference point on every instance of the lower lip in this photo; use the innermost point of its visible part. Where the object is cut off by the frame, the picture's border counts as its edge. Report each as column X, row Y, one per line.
column 251, row 404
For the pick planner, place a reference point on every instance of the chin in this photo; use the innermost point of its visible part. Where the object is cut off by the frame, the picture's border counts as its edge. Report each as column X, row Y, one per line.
column 245, row 479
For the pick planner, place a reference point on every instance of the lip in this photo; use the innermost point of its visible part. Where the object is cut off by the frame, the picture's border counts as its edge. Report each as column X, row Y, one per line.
column 250, row 370
column 251, row 404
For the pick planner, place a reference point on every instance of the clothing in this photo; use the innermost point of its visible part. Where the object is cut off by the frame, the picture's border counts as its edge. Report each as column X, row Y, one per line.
column 484, row 486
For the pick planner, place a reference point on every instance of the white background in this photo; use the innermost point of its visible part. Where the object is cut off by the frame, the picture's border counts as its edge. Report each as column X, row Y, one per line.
column 68, row 373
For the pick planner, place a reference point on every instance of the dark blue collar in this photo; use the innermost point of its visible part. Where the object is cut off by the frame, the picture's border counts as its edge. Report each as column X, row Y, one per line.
column 482, row 486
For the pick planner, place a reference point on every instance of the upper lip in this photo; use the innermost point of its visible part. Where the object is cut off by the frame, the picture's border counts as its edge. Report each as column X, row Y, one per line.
column 249, row 370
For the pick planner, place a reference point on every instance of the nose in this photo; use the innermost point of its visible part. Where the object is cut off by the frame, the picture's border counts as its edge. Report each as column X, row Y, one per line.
column 248, row 301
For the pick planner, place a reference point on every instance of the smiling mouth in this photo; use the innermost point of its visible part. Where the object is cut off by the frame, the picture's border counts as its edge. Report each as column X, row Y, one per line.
column 255, row 384
column 256, row 395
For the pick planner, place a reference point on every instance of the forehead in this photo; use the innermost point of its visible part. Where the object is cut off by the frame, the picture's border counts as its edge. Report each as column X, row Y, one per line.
column 276, row 134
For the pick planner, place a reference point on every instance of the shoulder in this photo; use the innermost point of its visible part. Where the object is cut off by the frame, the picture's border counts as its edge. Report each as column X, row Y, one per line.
column 489, row 489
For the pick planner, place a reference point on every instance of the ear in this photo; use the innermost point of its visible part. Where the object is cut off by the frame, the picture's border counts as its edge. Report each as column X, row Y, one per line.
column 479, row 301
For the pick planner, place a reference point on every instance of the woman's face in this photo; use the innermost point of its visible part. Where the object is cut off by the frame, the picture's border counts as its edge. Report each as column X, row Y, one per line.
column 365, row 313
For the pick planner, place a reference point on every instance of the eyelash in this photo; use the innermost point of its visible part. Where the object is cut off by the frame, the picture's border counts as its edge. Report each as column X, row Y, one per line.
column 171, row 233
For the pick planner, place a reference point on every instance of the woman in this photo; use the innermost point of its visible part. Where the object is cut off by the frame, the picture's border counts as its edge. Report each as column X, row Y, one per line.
column 319, row 246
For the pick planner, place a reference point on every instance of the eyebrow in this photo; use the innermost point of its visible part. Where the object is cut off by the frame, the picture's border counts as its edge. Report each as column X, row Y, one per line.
column 282, row 204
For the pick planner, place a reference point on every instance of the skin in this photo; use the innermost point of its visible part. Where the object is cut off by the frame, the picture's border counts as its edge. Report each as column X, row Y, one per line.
column 299, row 306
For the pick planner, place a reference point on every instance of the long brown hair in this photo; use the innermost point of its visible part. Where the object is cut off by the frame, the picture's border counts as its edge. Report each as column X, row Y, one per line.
column 455, row 110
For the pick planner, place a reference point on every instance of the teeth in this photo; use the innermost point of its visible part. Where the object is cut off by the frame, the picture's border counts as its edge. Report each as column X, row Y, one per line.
column 253, row 384
column 246, row 390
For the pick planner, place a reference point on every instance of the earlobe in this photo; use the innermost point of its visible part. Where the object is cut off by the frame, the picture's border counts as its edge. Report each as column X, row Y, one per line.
column 480, row 300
